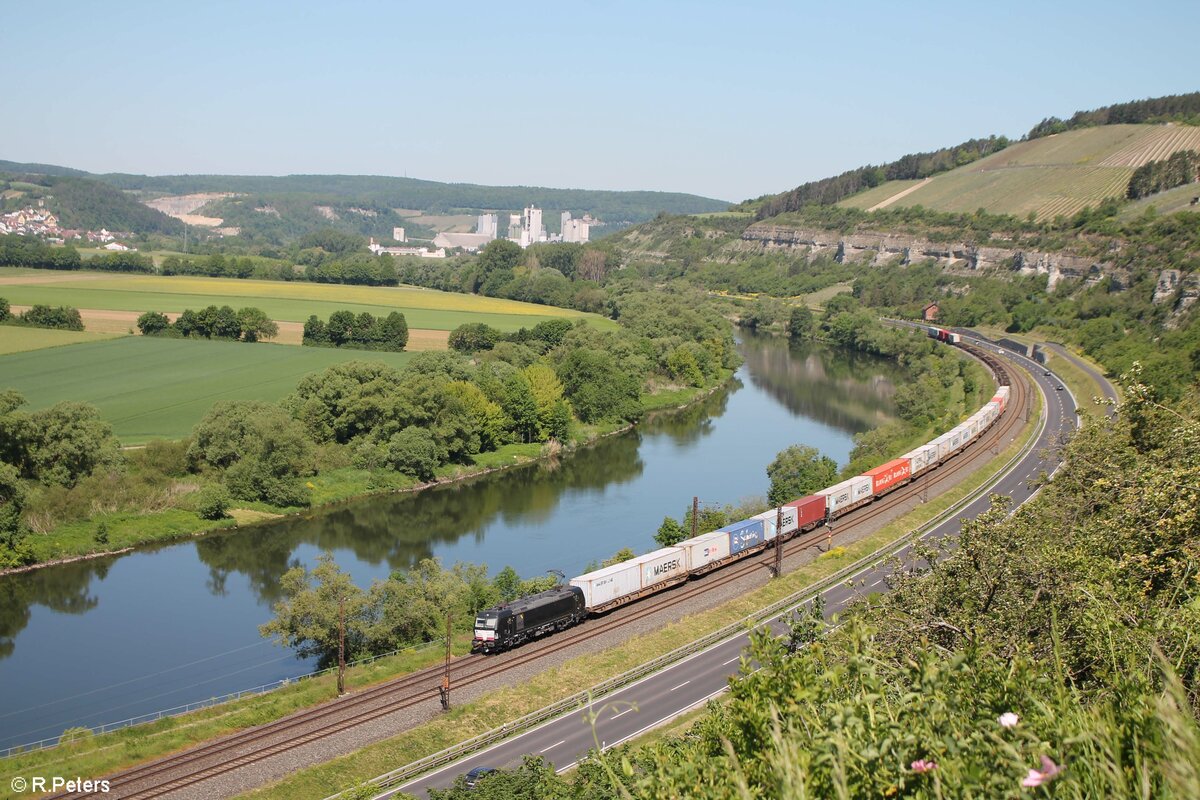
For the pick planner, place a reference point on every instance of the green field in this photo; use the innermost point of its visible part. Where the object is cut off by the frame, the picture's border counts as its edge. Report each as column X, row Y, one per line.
column 17, row 339
column 291, row 302
column 1049, row 176
column 152, row 388
column 883, row 191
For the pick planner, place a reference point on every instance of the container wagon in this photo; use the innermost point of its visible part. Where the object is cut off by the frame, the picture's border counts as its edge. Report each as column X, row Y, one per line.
column 607, row 588
column 788, row 526
column 844, row 497
column 922, row 458
column 810, row 512
column 528, row 618
column 889, row 476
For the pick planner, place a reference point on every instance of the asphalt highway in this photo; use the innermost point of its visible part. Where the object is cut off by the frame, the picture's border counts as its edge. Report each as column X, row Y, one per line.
column 658, row 698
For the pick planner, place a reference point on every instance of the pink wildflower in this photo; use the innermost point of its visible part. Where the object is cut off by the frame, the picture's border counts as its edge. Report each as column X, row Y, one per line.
column 1009, row 720
column 1047, row 773
column 921, row 765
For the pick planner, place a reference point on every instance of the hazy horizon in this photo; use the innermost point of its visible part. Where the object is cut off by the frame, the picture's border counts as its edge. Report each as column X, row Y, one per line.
column 699, row 98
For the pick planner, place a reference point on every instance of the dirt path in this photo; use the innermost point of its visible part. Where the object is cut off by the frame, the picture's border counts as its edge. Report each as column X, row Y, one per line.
column 899, row 195
column 59, row 277
column 99, row 320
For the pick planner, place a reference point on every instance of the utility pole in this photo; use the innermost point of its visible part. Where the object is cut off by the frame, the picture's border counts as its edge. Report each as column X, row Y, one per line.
column 779, row 542
column 695, row 515
column 341, row 688
column 444, row 689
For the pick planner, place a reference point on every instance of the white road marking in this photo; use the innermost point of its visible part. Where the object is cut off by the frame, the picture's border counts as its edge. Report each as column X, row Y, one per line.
column 556, row 744
column 680, row 686
column 621, row 714
column 730, row 661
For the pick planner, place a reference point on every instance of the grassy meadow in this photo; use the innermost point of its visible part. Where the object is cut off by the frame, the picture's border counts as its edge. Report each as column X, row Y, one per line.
column 290, row 302
column 150, row 388
column 17, row 339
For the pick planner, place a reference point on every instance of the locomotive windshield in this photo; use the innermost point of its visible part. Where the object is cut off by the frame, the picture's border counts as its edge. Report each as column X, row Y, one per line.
column 485, row 622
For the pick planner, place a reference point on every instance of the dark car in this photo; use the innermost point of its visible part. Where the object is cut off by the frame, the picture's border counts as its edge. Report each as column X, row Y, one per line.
column 476, row 774
column 1046, row 373
column 1060, row 387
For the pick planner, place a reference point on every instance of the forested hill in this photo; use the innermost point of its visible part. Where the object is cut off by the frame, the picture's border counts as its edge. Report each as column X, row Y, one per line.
column 430, row 196
column 1183, row 108
column 83, row 204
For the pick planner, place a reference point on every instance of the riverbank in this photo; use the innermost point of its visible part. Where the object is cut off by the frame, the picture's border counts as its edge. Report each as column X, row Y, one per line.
column 124, row 531
column 482, row 709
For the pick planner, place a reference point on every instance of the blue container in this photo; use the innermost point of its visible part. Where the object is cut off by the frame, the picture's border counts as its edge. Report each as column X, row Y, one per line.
column 744, row 535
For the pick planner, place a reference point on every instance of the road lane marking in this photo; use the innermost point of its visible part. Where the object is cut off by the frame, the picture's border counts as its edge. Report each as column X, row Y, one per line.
column 556, row 744
column 738, row 657
column 680, row 686
column 621, row 714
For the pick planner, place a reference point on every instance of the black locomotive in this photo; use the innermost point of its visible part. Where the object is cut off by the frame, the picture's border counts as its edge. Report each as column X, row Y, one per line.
column 511, row 624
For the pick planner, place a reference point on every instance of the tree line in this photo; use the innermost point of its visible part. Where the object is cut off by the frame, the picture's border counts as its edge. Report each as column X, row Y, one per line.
column 362, row 331
column 211, row 322
column 1178, row 169
column 42, row 316
column 1171, row 108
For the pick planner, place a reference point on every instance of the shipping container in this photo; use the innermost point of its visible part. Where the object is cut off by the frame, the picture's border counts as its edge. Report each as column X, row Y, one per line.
column 810, row 511
column 1001, row 396
column 889, row 475
column 769, row 518
column 706, row 550
column 944, row 446
column 666, row 564
column 745, row 534
column 922, row 458
column 847, row 495
column 607, row 587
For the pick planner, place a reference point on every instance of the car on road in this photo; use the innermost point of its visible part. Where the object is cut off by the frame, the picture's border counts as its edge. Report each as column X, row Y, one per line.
column 477, row 774
column 1047, row 373
column 1060, row 387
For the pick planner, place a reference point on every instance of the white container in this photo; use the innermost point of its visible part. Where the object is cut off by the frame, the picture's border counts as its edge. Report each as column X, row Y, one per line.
column 846, row 493
column 922, row 458
column 944, row 445
column 662, row 565
column 768, row 519
column 706, row 549
column 611, row 583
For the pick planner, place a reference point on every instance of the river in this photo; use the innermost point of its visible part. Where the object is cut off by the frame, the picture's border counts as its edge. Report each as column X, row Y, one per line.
column 104, row 640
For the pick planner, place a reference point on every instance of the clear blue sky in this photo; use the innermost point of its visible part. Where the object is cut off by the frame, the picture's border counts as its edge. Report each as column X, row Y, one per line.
column 720, row 99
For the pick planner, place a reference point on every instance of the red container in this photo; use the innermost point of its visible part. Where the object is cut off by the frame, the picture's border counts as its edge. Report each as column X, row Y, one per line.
column 808, row 510
column 883, row 478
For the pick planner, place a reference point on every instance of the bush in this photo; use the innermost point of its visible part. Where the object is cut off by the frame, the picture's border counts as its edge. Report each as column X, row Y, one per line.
column 62, row 318
column 212, row 501
column 152, row 323
column 414, row 452
column 5, row 310
column 473, row 336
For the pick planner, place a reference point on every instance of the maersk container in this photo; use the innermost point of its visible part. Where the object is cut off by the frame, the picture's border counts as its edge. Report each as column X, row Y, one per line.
column 604, row 586
column 706, row 549
column 921, row 458
column 662, row 565
column 809, row 510
column 745, row 534
column 1001, row 396
column 769, row 518
column 885, row 476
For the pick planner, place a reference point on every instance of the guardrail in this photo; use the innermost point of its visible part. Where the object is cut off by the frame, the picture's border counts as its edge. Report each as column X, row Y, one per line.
column 580, row 700
column 153, row 716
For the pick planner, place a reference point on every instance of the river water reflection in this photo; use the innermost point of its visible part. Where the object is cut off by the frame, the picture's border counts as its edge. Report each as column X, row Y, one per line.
column 105, row 640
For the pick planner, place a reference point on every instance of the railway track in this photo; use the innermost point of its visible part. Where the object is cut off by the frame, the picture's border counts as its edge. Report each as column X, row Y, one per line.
column 204, row 762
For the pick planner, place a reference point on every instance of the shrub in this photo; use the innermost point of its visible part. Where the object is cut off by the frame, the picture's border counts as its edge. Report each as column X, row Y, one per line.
column 212, row 501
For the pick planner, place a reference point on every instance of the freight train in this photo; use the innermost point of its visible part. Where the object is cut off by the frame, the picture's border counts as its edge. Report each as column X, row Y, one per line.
column 604, row 589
